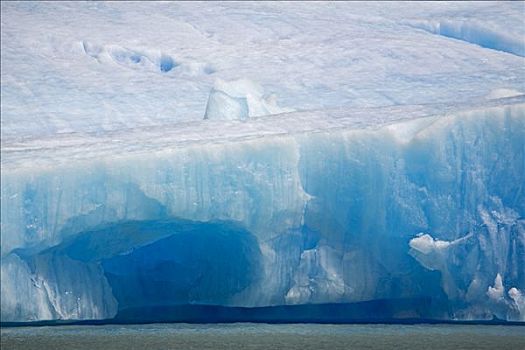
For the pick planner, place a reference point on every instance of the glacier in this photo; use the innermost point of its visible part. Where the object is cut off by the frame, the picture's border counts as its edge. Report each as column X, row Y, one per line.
column 147, row 168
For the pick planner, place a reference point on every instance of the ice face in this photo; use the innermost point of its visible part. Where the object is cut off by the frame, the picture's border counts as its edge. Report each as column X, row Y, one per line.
column 398, row 177
column 476, row 32
column 222, row 106
column 341, row 227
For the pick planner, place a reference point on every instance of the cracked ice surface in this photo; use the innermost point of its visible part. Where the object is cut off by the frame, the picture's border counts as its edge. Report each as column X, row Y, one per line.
column 393, row 120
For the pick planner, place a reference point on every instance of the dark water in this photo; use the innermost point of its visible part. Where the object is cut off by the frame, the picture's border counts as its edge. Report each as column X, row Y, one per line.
column 265, row 336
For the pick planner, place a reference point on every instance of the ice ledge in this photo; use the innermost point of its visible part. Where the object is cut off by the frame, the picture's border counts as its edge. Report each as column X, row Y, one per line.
column 67, row 148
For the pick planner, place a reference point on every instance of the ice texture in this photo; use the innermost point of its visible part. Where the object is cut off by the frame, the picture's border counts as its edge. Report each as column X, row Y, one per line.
column 392, row 168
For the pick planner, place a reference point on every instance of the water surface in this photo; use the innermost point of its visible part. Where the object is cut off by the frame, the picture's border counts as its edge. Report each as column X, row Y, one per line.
column 265, row 336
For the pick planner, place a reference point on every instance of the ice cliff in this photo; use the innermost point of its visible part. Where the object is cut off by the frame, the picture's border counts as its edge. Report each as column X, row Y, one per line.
column 144, row 166
column 314, row 217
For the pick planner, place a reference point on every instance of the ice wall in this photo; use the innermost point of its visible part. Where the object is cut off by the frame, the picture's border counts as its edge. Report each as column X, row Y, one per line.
column 316, row 217
column 476, row 32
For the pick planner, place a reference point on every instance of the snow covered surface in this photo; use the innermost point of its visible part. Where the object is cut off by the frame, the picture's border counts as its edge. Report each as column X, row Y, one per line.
column 256, row 154
column 93, row 67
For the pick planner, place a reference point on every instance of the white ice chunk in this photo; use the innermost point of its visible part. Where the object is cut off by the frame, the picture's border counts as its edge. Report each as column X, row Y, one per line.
column 431, row 252
column 496, row 292
column 239, row 100
column 519, row 301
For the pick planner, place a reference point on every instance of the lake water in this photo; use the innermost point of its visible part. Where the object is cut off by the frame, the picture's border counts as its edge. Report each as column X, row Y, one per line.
column 265, row 336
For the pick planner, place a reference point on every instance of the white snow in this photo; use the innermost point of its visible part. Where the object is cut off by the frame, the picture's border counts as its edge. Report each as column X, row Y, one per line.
column 503, row 93
column 98, row 67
